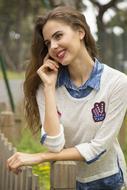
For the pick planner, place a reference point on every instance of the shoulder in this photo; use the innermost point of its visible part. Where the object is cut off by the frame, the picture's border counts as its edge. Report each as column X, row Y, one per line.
column 115, row 83
column 111, row 75
column 114, row 72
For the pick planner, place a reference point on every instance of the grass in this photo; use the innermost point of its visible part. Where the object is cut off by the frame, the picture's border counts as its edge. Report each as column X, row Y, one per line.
column 11, row 75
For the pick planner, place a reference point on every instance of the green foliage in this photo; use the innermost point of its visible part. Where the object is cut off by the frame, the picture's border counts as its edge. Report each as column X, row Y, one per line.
column 31, row 144
column 43, row 171
column 28, row 143
column 13, row 75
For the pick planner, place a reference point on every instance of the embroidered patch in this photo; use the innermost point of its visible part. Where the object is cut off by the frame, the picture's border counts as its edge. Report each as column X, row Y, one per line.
column 98, row 111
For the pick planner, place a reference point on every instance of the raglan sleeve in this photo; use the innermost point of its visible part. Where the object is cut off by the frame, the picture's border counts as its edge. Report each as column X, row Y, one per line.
column 53, row 143
column 112, row 123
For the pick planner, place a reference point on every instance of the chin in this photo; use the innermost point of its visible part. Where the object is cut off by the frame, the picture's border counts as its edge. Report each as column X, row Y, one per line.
column 64, row 62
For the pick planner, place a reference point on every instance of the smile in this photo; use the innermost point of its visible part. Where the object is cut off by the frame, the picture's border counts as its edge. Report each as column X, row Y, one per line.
column 61, row 54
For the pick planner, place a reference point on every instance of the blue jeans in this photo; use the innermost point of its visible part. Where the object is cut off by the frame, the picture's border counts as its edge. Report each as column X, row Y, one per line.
column 113, row 182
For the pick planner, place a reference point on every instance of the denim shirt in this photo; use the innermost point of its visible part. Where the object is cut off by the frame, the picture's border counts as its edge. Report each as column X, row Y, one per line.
column 84, row 90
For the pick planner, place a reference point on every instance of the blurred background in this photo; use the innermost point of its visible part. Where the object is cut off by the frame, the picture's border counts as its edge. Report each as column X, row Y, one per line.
column 108, row 22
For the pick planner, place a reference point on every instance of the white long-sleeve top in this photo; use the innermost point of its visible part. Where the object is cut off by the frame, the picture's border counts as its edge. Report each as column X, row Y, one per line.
column 91, row 124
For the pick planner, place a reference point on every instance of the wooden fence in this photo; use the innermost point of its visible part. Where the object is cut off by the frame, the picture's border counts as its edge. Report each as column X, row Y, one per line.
column 9, row 181
column 62, row 173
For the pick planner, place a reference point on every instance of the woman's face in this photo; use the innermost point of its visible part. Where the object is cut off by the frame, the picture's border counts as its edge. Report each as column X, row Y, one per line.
column 63, row 42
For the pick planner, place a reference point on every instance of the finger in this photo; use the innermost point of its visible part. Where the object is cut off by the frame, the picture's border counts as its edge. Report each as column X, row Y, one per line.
column 97, row 108
column 47, row 67
column 15, row 167
column 102, row 107
column 46, row 57
column 12, row 159
column 52, row 65
column 16, row 171
column 94, row 111
column 10, row 162
column 14, row 162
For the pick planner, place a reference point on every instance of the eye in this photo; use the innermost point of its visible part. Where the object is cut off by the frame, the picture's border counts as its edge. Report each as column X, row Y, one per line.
column 58, row 36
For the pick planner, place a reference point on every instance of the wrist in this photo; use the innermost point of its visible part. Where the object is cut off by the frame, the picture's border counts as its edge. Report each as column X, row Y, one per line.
column 48, row 156
column 45, row 157
column 49, row 88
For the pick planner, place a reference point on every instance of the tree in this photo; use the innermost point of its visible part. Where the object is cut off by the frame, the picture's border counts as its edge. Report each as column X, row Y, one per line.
column 102, row 34
column 104, row 38
column 78, row 4
column 119, row 21
column 15, row 32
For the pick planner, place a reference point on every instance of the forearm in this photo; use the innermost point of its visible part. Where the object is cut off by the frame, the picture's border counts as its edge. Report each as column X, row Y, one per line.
column 24, row 159
column 51, row 120
column 70, row 154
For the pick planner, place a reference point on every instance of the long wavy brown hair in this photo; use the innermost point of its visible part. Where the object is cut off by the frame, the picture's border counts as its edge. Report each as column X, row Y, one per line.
column 38, row 51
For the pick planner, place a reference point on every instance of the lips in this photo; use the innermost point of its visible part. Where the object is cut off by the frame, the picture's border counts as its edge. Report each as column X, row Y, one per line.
column 61, row 54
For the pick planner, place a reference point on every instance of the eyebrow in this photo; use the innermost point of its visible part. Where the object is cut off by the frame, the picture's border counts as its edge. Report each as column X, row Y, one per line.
column 52, row 35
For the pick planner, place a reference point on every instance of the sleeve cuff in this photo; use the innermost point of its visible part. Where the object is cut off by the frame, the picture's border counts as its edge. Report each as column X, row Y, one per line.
column 53, row 143
column 89, row 155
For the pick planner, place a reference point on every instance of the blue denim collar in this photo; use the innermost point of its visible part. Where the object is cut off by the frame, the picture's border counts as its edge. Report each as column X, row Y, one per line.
column 93, row 81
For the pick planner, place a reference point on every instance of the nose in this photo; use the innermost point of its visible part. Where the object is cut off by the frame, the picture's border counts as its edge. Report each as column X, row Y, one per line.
column 54, row 44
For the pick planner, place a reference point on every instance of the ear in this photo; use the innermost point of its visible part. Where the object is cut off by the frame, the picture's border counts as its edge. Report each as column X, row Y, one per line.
column 81, row 33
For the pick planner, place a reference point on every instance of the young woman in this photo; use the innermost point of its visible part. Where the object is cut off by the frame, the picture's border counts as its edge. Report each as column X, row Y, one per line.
column 79, row 102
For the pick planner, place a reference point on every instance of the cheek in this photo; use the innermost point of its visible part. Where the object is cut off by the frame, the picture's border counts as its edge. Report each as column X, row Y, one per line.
column 67, row 40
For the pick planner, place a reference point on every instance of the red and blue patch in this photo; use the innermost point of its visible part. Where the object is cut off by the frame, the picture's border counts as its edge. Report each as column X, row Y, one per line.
column 98, row 111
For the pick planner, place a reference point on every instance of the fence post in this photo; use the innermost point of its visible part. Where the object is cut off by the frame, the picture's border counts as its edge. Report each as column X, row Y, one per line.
column 63, row 175
column 8, row 154
column 4, row 173
column 29, row 179
column 1, row 160
column 3, row 106
column 6, row 119
column 35, row 185
column 7, row 125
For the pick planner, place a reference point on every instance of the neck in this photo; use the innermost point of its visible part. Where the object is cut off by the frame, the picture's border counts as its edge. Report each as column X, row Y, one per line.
column 81, row 68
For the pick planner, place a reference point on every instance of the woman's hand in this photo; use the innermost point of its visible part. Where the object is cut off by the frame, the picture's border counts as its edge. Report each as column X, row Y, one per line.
column 48, row 71
column 19, row 159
